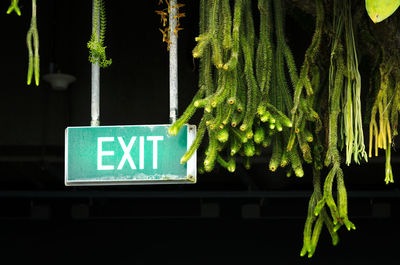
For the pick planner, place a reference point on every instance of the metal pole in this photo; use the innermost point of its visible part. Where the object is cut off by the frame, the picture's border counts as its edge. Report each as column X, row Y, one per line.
column 95, row 110
column 173, row 62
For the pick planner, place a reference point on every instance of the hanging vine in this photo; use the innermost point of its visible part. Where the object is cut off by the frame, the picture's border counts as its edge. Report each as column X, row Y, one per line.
column 97, row 50
column 253, row 97
column 351, row 130
column 33, row 35
column 164, row 15
column 14, row 7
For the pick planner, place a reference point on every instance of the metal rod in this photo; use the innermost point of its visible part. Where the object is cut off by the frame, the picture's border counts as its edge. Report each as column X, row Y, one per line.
column 173, row 62
column 95, row 107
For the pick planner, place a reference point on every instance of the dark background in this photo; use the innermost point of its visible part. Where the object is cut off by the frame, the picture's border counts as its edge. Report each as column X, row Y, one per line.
column 248, row 217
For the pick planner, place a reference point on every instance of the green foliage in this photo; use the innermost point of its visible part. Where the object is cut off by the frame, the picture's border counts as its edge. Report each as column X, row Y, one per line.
column 253, row 96
column 14, row 7
column 97, row 50
column 34, row 66
column 387, row 107
column 236, row 74
column 352, row 131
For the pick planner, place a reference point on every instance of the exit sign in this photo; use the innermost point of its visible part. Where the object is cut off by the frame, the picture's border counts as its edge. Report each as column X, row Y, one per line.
column 114, row 155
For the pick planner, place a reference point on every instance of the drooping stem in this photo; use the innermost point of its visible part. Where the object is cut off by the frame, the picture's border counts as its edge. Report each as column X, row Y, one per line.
column 14, row 7
column 352, row 118
column 34, row 65
column 97, row 50
column 336, row 77
column 310, row 57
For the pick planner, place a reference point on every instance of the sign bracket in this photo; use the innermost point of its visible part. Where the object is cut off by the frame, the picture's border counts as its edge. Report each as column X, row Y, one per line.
column 134, row 154
column 95, row 102
column 173, row 62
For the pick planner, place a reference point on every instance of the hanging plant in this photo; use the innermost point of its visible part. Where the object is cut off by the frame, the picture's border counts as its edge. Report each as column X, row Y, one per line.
column 33, row 35
column 164, row 15
column 385, row 94
column 97, row 50
column 253, row 97
column 32, row 42
column 14, row 7
column 351, row 130
column 387, row 105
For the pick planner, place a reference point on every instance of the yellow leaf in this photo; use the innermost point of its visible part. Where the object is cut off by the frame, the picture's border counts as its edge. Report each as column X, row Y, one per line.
column 379, row 10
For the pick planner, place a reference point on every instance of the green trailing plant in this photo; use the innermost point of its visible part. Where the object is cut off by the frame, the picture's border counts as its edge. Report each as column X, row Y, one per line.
column 304, row 81
column 241, row 115
column 320, row 203
column 32, row 42
column 33, row 35
column 97, row 50
column 253, row 96
column 387, row 105
column 336, row 80
column 313, row 225
column 235, row 82
column 384, row 87
column 351, row 130
column 322, row 200
column 305, row 120
column 298, row 149
column 14, row 7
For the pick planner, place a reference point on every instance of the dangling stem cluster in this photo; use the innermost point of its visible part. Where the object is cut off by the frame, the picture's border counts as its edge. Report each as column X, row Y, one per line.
column 164, row 14
column 304, row 118
column 14, row 7
column 234, row 85
column 351, row 130
column 33, row 66
column 97, row 50
column 310, row 59
column 253, row 96
column 318, row 201
column 387, row 103
column 314, row 223
column 280, row 96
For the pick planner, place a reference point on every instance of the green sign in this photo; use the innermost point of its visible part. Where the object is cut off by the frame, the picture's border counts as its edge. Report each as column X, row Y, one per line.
column 143, row 154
